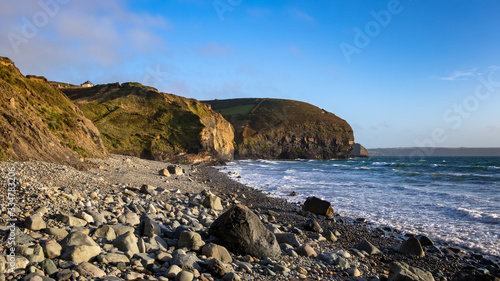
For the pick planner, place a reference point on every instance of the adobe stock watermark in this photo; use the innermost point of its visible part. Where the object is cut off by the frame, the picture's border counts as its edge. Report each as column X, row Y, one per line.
column 31, row 26
column 456, row 114
column 223, row 6
column 154, row 77
column 363, row 37
column 11, row 221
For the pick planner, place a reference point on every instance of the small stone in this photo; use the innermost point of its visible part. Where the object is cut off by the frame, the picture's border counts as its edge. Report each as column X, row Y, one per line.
column 211, row 201
column 48, row 267
column 89, row 270
column 164, row 173
column 84, row 216
column 65, row 274
column 301, row 270
column 190, row 240
column 400, row 271
column 330, row 236
column 52, row 249
column 113, row 258
column 37, row 255
column 342, row 263
column 145, row 259
column 217, row 268
column 368, row 248
column 313, row 225
column 78, row 247
column 175, row 170
column 42, row 210
column 217, row 251
column 127, row 243
column 231, row 276
column 35, row 222
column 59, row 233
column 288, row 238
column 173, row 271
column 130, row 218
column 147, row 189
column 307, row 251
column 184, row 276
column 105, row 232
column 353, row 271
column 70, row 220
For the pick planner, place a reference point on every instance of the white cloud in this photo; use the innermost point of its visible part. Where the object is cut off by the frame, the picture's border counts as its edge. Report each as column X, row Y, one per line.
column 460, row 75
column 80, row 36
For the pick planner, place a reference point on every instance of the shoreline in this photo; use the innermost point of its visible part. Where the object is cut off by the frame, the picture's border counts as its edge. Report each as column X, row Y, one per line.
column 441, row 241
column 115, row 176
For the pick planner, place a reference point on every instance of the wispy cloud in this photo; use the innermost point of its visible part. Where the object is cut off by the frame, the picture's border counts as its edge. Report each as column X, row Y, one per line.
column 301, row 15
column 382, row 124
column 460, row 75
column 214, row 49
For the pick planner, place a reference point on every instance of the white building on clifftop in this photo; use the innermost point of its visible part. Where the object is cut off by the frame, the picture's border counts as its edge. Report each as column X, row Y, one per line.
column 87, row 84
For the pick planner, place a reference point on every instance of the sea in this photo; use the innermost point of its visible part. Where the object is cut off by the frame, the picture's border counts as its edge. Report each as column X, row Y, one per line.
column 450, row 199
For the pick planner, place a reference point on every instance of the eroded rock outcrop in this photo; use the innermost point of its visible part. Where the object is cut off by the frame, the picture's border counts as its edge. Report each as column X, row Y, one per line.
column 285, row 129
column 38, row 122
column 139, row 121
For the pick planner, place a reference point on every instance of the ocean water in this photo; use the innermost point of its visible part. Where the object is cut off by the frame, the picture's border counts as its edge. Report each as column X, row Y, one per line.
column 450, row 199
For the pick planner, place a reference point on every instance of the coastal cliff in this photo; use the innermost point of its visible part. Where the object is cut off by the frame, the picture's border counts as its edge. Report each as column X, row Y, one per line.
column 137, row 120
column 38, row 122
column 359, row 151
column 285, row 129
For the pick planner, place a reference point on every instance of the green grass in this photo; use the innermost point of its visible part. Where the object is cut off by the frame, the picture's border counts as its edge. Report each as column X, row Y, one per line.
column 138, row 121
column 243, row 109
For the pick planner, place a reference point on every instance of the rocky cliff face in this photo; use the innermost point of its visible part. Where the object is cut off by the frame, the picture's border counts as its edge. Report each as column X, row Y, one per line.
column 359, row 151
column 285, row 129
column 140, row 121
column 38, row 122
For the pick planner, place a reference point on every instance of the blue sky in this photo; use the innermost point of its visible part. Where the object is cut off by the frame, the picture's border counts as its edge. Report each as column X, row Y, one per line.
column 402, row 73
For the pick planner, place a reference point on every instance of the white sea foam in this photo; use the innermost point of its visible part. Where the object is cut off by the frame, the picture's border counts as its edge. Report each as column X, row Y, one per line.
column 418, row 198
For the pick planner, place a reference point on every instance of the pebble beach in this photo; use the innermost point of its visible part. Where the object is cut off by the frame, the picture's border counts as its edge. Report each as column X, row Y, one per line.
column 134, row 219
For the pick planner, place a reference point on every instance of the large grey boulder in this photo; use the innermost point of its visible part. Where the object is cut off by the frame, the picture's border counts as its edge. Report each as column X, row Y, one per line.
column 78, row 247
column 318, row 207
column 400, row 271
column 242, row 232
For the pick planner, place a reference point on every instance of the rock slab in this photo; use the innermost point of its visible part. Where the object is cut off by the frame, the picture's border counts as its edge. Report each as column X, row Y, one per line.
column 242, row 232
column 318, row 206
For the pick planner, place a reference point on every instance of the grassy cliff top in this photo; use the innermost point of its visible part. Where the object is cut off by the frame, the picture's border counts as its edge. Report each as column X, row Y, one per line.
column 267, row 114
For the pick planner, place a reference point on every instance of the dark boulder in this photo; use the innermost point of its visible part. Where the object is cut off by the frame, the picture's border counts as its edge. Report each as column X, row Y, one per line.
column 242, row 232
column 318, row 207
column 411, row 246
